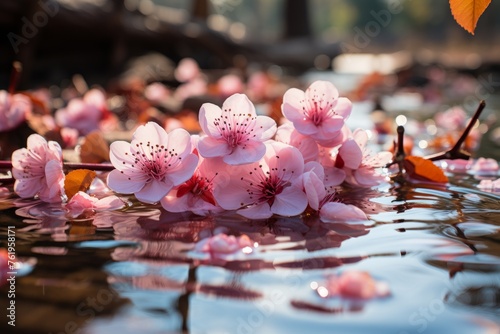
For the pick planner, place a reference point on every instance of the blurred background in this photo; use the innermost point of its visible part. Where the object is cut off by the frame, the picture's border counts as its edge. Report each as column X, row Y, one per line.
column 404, row 57
column 54, row 39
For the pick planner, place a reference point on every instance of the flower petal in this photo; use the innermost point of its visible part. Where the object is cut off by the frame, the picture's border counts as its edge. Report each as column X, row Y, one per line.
column 291, row 201
column 334, row 211
column 258, row 211
column 154, row 191
column 183, row 171
column 210, row 147
column 252, row 152
column 124, row 184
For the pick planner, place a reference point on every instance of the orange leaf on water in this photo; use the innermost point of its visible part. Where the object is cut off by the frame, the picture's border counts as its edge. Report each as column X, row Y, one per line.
column 468, row 12
column 94, row 149
column 78, row 180
column 423, row 169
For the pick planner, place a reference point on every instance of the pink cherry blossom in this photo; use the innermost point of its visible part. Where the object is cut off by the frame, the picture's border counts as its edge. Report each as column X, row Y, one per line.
column 485, row 166
column 271, row 186
column 194, row 87
column 353, row 284
column 234, row 132
column 82, row 202
column 287, row 134
column 358, row 161
column 320, row 198
column 152, row 164
column 187, row 70
column 69, row 136
column 38, row 170
column 196, row 194
column 222, row 244
column 83, row 114
column 156, row 92
column 451, row 119
column 13, row 110
column 230, row 84
column 318, row 112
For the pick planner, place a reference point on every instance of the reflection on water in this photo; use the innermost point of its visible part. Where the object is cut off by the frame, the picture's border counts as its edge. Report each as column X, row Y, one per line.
column 137, row 271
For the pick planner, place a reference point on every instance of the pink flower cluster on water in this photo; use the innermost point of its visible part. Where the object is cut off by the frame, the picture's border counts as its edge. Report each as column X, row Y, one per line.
column 242, row 161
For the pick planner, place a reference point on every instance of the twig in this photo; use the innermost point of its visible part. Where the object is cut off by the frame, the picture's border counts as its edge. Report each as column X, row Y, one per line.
column 455, row 152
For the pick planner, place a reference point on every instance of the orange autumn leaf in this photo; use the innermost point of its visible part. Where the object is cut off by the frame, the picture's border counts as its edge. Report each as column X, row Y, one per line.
column 468, row 12
column 423, row 169
column 78, row 180
column 94, row 149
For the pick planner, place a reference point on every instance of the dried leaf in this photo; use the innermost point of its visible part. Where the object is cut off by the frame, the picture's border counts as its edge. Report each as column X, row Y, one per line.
column 423, row 169
column 78, row 180
column 94, row 149
column 468, row 12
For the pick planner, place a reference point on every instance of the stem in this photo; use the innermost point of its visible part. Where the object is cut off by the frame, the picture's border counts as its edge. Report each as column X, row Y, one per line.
column 455, row 152
column 17, row 68
column 70, row 165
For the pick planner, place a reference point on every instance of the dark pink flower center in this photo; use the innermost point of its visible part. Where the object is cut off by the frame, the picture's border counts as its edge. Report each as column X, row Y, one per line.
column 236, row 129
column 154, row 160
column 198, row 186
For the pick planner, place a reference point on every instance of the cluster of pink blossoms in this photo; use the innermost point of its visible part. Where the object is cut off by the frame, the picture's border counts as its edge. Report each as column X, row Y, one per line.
column 245, row 162
column 242, row 161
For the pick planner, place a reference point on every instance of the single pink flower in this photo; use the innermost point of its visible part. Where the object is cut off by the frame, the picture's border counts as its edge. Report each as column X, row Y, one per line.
column 451, row 119
column 187, row 70
column 222, row 244
column 156, row 92
column 82, row 202
column 318, row 112
column 287, row 134
column 152, row 164
column 83, row 114
column 320, row 197
column 360, row 165
column 271, row 186
column 485, row 166
column 234, row 132
column 230, row 84
column 196, row 194
column 353, row 284
column 13, row 110
column 38, row 170
column 334, row 211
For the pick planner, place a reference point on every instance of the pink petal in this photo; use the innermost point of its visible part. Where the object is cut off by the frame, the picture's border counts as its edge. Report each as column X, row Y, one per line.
column 208, row 116
column 265, row 127
column 351, row 154
column 314, row 189
column 154, row 191
column 343, row 107
column 122, row 183
column 258, row 211
column 184, row 170
column 26, row 188
column 151, row 132
column 55, row 179
column 210, row 147
column 367, row 177
column 293, row 102
column 253, row 152
column 291, row 202
column 289, row 163
column 109, row 203
column 120, row 155
column 180, row 140
column 334, row 176
column 333, row 211
column 324, row 92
